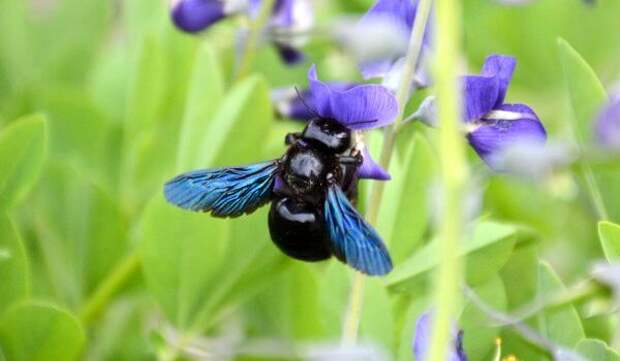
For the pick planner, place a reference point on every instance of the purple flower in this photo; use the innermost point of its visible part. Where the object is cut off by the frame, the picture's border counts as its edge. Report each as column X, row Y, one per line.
column 608, row 125
column 196, row 15
column 356, row 107
column 422, row 340
column 288, row 26
column 287, row 29
column 296, row 106
column 371, row 169
column 359, row 107
column 400, row 14
column 492, row 125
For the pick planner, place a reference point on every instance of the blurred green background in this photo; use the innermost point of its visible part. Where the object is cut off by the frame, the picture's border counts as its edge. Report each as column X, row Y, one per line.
column 102, row 101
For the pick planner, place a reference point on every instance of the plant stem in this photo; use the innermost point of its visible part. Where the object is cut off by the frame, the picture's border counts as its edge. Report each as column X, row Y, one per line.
column 576, row 293
column 453, row 175
column 115, row 280
column 352, row 320
column 253, row 37
column 595, row 193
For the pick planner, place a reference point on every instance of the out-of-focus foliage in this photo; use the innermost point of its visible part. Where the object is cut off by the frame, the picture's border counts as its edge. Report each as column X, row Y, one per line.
column 101, row 102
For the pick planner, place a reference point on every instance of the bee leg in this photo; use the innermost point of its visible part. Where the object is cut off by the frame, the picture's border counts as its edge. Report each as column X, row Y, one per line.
column 355, row 160
column 291, row 138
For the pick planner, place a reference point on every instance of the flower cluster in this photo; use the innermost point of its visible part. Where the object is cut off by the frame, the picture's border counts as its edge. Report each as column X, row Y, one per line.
column 288, row 22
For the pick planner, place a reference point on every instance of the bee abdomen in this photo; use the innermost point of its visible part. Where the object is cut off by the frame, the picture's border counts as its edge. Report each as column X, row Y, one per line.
column 297, row 228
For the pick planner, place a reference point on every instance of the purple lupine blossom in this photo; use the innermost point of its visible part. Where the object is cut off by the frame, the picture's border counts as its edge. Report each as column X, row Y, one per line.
column 400, row 14
column 608, row 125
column 422, row 340
column 291, row 104
column 492, row 125
column 363, row 106
column 287, row 28
column 357, row 107
column 196, row 15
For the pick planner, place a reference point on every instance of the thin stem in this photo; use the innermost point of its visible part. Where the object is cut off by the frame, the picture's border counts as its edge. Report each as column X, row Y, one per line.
column 352, row 320
column 253, row 37
column 115, row 280
column 454, row 175
column 522, row 329
column 351, row 326
column 579, row 292
column 595, row 193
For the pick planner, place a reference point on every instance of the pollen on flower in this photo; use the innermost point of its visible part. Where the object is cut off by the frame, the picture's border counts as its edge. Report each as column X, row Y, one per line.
column 510, row 358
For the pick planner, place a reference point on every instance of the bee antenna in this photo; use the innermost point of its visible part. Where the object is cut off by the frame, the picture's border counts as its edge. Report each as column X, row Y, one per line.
column 364, row 122
column 303, row 101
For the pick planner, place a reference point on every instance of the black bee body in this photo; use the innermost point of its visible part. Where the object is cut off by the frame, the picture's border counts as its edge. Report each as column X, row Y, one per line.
column 312, row 189
column 316, row 158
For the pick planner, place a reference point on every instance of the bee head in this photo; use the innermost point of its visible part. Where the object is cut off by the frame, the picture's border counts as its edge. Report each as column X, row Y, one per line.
column 327, row 134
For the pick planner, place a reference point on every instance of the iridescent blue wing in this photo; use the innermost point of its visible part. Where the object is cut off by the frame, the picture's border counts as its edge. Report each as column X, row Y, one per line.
column 225, row 192
column 353, row 240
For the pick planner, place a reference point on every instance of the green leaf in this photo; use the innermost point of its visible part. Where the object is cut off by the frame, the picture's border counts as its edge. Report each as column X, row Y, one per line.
column 81, row 231
column 13, row 265
column 586, row 93
column 239, row 127
column 609, row 235
column 120, row 334
column 182, row 252
column 15, row 46
column 520, row 275
column 404, row 213
column 597, row 350
column 479, row 332
column 377, row 319
column 147, row 88
column 485, row 236
column 304, row 295
column 562, row 324
column 22, row 153
column 205, row 92
column 34, row 331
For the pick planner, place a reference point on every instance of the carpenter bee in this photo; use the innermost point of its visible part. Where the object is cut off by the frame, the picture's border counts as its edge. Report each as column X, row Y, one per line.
column 311, row 189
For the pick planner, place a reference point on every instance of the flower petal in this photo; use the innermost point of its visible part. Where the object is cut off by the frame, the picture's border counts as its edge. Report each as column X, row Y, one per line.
column 301, row 106
column 485, row 92
column 398, row 14
column 283, row 13
column 501, row 67
column 508, row 125
column 370, row 169
column 196, row 15
column 422, row 340
column 399, row 11
column 608, row 125
column 361, row 107
column 289, row 54
column 480, row 94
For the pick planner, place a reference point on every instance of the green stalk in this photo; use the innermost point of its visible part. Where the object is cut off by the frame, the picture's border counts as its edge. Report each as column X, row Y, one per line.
column 115, row 280
column 352, row 319
column 251, row 42
column 453, row 175
column 595, row 193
